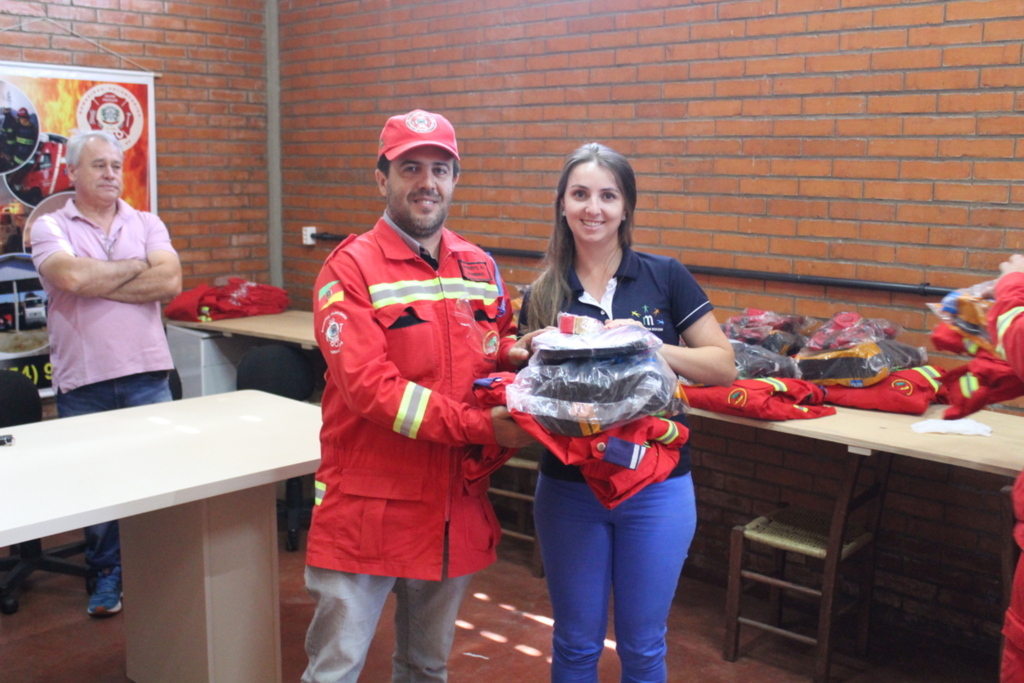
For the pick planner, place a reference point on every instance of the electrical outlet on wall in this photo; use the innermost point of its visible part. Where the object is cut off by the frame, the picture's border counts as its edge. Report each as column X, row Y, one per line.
column 307, row 234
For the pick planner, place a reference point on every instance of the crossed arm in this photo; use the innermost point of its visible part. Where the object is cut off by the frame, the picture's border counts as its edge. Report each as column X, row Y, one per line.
column 129, row 281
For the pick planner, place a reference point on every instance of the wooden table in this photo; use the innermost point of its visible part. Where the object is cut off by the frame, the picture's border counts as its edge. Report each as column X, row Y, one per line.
column 193, row 483
column 291, row 326
column 865, row 431
column 206, row 354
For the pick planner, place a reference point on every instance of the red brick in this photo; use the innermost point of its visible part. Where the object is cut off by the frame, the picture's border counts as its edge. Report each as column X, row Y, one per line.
column 945, row 35
column 874, row 40
column 857, row 168
column 909, row 15
column 917, row 192
column 808, row 44
column 973, row 147
column 983, row 9
column 963, row 192
column 899, row 60
column 947, row 79
column 1002, row 77
column 902, row 104
column 933, row 214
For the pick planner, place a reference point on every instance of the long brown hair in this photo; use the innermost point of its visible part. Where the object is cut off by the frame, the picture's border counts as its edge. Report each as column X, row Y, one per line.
column 550, row 291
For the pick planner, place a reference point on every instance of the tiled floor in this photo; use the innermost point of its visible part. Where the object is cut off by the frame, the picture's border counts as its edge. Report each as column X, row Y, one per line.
column 504, row 636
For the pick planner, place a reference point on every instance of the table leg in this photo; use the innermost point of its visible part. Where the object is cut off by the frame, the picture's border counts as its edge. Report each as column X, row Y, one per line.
column 201, row 601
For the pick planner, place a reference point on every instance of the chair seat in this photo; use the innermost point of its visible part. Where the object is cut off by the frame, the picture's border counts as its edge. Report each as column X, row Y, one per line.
column 802, row 531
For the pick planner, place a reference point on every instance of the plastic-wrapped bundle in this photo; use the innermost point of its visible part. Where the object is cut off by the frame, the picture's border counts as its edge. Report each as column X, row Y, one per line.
column 848, row 329
column 579, row 385
column 861, row 365
column 755, row 362
column 966, row 312
column 554, row 346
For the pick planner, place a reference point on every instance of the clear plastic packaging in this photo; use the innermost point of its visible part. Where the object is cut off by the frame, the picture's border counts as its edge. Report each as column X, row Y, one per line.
column 554, row 346
column 966, row 312
column 756, row 362
column 861, row 365
column 848, row 329
column 584, row 396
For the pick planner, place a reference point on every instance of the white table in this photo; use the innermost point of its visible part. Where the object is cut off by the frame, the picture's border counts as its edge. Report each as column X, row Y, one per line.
column 193, row 483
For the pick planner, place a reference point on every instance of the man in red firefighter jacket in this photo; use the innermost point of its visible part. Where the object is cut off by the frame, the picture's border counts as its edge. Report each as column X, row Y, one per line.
column 1006, row 328
column 407, row 316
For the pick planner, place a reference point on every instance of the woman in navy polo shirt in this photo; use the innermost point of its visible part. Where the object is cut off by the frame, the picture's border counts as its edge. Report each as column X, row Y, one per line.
column 635, row 551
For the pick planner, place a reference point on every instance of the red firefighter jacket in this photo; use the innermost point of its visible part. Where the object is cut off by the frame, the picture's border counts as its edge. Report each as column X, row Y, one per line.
column 616, row 463
column 763, row 399
column 403, row 344
column 1006, row 329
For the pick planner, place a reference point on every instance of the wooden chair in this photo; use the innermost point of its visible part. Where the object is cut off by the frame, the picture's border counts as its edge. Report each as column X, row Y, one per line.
column 830, row 539
column 518, row 488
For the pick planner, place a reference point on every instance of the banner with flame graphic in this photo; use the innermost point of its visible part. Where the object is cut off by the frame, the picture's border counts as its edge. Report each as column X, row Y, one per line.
column 41, row 107
column 61, row 101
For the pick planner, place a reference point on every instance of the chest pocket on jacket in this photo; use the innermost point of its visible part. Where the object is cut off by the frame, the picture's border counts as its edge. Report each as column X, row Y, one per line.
column 410, row 332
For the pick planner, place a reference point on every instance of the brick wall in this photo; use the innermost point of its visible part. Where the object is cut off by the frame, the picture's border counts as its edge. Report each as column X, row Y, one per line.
column 210, row 111
column 861, row 139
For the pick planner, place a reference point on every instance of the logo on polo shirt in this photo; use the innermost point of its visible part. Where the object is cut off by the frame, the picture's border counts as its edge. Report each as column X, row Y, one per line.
column 650, row 317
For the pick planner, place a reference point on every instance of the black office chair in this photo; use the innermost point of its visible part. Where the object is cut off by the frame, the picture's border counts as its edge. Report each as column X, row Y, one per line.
column 285, row 371
column 20, row 404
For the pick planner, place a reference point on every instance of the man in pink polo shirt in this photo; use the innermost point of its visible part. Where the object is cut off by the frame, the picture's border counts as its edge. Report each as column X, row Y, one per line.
column 105, row 268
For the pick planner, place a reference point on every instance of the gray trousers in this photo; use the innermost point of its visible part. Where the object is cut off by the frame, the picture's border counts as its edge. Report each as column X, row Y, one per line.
column 348, row 607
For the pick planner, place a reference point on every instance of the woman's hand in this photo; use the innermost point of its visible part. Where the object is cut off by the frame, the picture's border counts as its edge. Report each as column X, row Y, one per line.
column 521, row 351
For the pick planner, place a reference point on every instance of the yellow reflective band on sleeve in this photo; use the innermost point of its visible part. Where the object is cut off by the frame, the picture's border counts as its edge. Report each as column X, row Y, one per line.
column 930, row 374
column 410, row 412
column 436, row 289
column 799, row 407
column 1003, row 323
column 968, row 385
column 671, row 432
column 778, row 385
column 319, row 489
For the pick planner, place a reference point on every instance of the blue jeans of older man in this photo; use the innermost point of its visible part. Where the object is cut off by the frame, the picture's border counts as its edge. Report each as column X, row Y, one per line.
column 103, row 541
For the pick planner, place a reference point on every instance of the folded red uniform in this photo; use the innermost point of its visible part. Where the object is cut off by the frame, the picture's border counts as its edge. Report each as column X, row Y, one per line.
column 908, row 391
column 763, row 399
column 985, row 380
column 615, row 464
column 237, row 299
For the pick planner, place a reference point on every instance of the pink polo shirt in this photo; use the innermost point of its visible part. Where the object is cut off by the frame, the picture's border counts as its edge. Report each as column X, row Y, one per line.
column 94, row 339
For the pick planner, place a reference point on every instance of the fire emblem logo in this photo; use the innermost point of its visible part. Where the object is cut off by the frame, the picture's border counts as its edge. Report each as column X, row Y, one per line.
column 902, row 386
column 737, row 398
column 113, row 109
column 420, row 122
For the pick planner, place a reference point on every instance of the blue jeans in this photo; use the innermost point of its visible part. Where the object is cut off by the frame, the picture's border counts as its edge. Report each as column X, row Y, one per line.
column 103, row 541
column 635, row 551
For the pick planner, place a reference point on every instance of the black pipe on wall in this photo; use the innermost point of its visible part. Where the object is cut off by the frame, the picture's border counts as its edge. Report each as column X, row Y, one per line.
column 923, row 289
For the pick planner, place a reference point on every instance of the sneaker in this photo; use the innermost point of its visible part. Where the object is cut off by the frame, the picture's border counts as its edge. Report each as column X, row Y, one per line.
column 105, row 601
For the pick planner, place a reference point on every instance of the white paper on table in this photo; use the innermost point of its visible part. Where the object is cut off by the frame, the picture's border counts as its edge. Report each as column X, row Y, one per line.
column 962, row 426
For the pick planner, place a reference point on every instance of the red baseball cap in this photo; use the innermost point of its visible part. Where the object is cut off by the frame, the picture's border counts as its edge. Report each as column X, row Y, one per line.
column 418, row 128
column 23, row 112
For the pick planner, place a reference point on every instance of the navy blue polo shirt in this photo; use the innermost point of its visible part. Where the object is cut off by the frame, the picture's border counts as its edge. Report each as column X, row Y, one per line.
column 659, row 292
